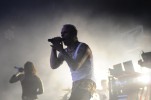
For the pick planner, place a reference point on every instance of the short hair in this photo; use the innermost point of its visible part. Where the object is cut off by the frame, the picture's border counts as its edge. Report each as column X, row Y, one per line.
column 71, row 28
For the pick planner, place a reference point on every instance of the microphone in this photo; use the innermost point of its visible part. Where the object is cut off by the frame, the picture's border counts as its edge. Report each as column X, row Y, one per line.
column 59, row 39
column 20, row 69
column 50, row 40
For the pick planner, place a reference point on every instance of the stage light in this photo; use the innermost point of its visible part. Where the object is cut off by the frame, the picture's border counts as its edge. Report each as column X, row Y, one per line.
column 145, row 79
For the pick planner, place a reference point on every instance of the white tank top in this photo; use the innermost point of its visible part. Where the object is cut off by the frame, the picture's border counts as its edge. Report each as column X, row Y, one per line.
column 86, row 71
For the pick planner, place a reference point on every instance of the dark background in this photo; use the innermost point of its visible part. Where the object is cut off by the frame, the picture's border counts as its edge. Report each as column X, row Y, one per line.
column 18, row 9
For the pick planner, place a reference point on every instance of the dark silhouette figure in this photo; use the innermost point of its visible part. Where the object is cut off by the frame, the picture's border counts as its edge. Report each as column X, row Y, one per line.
column 30, row 82
column 79, row 58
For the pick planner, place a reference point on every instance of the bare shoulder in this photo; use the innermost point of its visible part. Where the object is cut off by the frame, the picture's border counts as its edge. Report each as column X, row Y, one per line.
column 84, row 47
column 37, row 78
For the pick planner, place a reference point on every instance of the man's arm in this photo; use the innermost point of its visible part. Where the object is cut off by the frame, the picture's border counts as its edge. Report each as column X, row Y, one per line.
column 83, row 53
column 40, row 87
column 16, row 77
column 55, row 61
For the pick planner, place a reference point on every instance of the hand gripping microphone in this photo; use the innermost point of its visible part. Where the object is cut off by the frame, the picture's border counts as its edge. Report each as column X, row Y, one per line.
column 20, row 69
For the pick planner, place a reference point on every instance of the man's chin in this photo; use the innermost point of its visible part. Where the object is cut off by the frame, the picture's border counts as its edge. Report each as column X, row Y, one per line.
column 67, row 44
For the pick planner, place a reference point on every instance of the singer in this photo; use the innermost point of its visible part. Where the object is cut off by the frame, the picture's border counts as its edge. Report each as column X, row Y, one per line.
column 78, row 56
column 30, row 82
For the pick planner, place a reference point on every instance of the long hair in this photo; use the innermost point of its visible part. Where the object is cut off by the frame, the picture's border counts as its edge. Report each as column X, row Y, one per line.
column 29, row 68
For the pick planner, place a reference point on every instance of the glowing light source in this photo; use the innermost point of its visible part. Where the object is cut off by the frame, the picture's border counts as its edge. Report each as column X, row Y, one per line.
column 144, row 79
